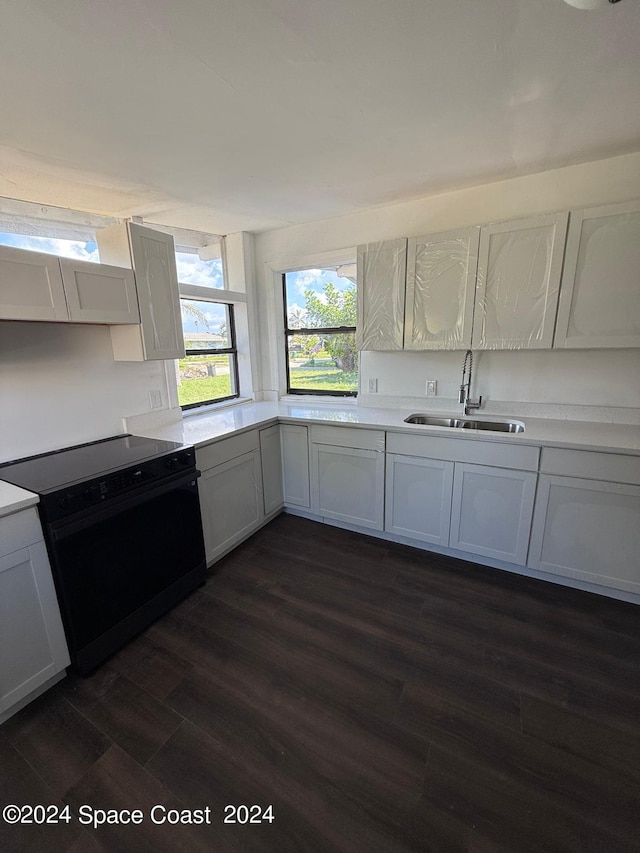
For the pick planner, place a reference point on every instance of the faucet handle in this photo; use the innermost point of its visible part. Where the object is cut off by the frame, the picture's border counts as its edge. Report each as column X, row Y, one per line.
column 474, row 404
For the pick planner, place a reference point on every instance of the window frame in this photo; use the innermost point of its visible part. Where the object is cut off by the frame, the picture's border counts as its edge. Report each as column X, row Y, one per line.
column 231, row 350
column 327, row 330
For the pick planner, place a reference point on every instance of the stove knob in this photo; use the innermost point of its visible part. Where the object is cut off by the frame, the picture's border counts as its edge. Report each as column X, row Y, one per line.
column 91, row 494
column 185, row 459
column 68, row 502
column 172, row 463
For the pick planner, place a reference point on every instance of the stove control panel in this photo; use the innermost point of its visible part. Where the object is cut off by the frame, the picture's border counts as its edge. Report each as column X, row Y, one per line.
column 84, row 496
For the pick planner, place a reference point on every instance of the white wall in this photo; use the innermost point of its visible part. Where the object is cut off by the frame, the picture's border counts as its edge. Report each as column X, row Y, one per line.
column 59, row 386
column 606, row 378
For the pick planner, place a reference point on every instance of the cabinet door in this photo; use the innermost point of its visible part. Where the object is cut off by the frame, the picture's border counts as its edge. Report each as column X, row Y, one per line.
column 154, row 264
column 231, row 503
column 589, row 530
column 381, row 281
column 441, row 281
column 33, row 647
column 98, row 293
column 418, row 498
column 30, row 286
column 600, row 295
column 271, row 460
column 491, row 511
column 348, row 484
column 295, row 464
column 518, row 282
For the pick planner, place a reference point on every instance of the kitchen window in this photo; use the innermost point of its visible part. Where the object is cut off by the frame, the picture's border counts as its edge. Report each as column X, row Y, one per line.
column 209, row 371
column 320, row 331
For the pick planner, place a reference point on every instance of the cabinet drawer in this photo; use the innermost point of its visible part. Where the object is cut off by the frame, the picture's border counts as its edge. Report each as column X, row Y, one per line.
column 19, row 530
column 365, row 439
column 591, row 465
column 226, row 449
column 498, row 454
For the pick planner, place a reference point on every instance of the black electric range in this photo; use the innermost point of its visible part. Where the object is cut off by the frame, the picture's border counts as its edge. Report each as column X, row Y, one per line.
column 121, row 521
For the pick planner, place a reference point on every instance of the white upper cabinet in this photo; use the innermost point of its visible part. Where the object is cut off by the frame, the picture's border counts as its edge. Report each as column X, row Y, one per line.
column 600, row 295
column 31, row 286
column 381, row 284
column 38, row 286
column 98, row 293
column 519, row 269
column 441, row 280
column 152, row 254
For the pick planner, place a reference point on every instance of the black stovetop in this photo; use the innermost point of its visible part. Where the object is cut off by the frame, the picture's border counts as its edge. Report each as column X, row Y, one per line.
column 51, row 472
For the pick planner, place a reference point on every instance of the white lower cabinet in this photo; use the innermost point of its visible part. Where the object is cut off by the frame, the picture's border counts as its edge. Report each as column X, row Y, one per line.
column 588, row 529
column 491, row 511
column 347, row 475
column 33, row 648
column 474, row 496
column 295, row 464
column 418, row 495
column 271, row 461
column 230, row 490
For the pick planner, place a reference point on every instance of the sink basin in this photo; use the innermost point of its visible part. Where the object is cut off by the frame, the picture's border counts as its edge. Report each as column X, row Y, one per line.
column 429, row 421
column 466, row 423
column 498, row 426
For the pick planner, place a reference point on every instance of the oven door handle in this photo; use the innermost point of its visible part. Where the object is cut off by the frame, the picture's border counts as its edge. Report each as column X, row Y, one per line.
column 94, row 515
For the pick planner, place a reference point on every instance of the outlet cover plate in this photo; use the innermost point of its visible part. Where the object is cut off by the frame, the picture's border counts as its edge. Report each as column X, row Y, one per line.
column 432, row 387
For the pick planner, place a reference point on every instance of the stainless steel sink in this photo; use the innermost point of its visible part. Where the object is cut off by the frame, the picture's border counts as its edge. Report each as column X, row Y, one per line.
column 429, row 421
column 466, row 423
column 497, row 426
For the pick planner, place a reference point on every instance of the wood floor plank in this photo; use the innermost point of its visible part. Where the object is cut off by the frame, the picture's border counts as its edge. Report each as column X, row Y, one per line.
column 130, row 716
column 117, row 782
column 54, row 737
column 520, row 817
column 356, row 757
column 606, row 700
column 603, row 745
column 312, row 665
column 20, row 785
column 152, row 667
column 203, row 769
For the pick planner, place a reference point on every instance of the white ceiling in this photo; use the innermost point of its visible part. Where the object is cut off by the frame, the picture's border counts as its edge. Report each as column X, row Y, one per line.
column 227, row 115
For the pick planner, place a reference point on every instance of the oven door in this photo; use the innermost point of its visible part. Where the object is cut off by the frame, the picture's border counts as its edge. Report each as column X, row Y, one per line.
column 119, row 567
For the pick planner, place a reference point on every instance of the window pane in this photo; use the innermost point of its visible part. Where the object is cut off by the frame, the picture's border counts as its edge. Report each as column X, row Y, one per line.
column 79, row 250
column 191, row 270
column 319, row 298
column 328, row 363
column 205, row 325
column 204, row 377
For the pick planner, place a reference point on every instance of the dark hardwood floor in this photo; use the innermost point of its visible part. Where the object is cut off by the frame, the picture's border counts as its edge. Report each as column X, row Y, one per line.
column 378, row 697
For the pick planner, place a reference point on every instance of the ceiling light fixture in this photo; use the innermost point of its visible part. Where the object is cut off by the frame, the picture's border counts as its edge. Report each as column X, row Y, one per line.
column 590, row 4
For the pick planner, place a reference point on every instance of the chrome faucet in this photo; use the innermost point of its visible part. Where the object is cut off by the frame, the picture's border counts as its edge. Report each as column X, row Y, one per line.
column 464, row 395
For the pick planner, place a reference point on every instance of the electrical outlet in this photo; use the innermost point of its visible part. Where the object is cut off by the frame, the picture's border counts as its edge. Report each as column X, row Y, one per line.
column 373, row 386
column 432, row 387
column 155, row 399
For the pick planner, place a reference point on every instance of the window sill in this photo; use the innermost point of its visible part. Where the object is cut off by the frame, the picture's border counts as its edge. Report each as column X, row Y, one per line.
column 215, row 407
column 329, row 400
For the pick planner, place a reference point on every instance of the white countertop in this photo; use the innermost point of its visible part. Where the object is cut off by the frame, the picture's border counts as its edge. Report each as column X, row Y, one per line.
column 13, row 498
column 204, row 428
